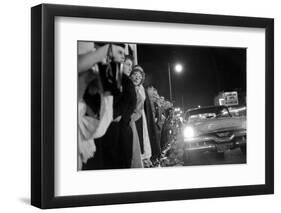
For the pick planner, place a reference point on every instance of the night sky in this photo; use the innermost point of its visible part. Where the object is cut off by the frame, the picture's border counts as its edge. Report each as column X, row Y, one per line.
column 206, row 71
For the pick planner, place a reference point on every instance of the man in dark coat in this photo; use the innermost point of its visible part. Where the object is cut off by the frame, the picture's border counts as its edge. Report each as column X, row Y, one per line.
column 154, row 141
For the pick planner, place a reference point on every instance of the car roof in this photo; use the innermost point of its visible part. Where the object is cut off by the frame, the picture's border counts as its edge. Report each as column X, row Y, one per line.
column 206, row 107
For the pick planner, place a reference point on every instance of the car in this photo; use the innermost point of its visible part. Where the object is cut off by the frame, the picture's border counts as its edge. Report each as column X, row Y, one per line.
column 212, row 129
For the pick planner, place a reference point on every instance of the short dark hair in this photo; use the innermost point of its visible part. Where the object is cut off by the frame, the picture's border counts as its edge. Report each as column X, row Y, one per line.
column 130, row 57
column 138, row 68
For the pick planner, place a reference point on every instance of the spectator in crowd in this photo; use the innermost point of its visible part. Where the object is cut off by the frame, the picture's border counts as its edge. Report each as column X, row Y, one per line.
column 154, row 137
column 128, row 64
column 167, row 129
column 142, row 122
column 156, row 122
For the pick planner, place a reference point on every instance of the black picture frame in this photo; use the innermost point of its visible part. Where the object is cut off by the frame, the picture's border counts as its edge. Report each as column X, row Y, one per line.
column 43, row 102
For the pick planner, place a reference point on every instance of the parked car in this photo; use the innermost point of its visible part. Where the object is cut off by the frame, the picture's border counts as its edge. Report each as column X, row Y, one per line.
column 212, row 129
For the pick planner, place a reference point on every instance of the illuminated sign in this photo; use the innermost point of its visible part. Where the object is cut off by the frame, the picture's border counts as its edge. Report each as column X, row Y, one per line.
column 230, row 98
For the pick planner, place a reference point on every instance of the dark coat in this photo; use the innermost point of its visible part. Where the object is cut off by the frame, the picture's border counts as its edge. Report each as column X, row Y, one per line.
column 151, row 126
column 153, row 137
column 114, row 149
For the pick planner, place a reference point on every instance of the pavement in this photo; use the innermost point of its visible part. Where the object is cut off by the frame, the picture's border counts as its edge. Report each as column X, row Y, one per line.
column 234, row 156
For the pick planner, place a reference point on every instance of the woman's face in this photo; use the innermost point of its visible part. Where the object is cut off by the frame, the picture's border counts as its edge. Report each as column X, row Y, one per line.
column 136, row 78
column 127, row 67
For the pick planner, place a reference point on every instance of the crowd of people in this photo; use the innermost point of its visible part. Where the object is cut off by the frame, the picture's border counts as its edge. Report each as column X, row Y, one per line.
column 119, row 119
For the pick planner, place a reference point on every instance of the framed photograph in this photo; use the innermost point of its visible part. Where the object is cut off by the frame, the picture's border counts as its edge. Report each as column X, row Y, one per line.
column 136, row 106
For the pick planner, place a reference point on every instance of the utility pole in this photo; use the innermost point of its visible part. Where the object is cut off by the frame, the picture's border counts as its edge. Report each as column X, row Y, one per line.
column 170, row 82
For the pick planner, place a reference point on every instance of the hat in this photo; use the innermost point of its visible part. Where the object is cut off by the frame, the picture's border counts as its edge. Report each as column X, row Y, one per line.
column 138, row 68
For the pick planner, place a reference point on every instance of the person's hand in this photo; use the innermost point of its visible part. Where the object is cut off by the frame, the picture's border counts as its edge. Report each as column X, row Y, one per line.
column 87, row 150
column 117, row 119
column 135, row 116
column 147, row 163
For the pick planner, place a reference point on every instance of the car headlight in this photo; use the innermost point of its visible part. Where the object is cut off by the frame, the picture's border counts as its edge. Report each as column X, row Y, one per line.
column 188, row 132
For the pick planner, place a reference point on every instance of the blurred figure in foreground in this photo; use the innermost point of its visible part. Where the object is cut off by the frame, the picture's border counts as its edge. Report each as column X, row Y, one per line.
column 114, row 149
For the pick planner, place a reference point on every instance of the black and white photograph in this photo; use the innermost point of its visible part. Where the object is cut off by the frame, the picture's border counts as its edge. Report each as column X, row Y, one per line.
column 160, row 105
column 143, row 105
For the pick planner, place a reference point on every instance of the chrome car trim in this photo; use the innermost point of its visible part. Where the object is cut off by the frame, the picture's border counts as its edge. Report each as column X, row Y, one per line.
column 202, row 148
column 215, row 138
column 213, row 147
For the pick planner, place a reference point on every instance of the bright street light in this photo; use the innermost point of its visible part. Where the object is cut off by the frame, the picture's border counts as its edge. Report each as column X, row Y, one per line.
column 178, row 68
